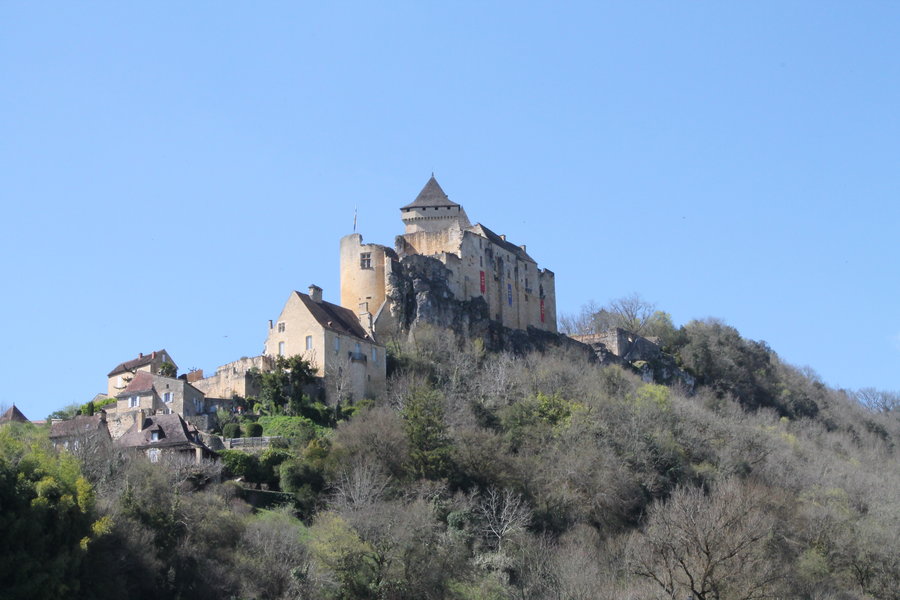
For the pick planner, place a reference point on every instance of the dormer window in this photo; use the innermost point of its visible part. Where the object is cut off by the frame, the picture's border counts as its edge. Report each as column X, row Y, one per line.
column 154, row 436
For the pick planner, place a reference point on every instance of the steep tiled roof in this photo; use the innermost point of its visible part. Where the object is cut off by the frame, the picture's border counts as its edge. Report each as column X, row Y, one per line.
column 508, row 246
column 140, row 384
column 138, row 362
column 172, row 429
column 431, row 195
column 13, row 414
column 334, row 317
column 78, row 426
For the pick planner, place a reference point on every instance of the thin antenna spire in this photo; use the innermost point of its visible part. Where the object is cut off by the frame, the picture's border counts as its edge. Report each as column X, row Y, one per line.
column 354, row 219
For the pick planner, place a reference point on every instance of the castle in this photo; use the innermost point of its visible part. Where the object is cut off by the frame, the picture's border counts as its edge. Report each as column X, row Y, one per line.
column 346, row 343
column 480, row 263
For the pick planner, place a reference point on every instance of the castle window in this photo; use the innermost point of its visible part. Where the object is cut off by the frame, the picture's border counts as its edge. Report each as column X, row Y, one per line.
column 309, row 342
column 374, row 355
column 281, row 327
column 365, row 260
column 168, row 397
column 280, row 348
column 480, row 261
column 337, row 344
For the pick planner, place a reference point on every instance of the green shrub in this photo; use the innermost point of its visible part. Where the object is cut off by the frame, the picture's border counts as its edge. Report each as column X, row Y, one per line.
column 299, row 429
column 240, row 464
column 253, row 430
column 231, row 430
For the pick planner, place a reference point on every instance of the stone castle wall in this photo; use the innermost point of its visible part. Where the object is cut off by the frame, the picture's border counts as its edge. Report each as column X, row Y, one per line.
column 232, row 379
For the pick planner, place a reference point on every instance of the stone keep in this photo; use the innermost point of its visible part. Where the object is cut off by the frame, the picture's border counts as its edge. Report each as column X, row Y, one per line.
column 481, row 264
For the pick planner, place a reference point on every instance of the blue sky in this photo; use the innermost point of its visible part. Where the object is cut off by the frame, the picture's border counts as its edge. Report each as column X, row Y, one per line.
column 170, row 171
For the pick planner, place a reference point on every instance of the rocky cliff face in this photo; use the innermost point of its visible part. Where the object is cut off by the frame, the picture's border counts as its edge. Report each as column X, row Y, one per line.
column 418, row 294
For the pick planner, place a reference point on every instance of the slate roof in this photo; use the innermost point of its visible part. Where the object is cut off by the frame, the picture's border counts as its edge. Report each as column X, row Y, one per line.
column 13, row 414
column 140, row 361
column 431, row 195
column 508, row 246
column 140, row 384
column 78, row 426
column 173, row 432
column 334, row 317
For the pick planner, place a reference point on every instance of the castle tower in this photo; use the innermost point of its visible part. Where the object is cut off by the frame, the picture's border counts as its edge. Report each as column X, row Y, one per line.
column 433, row 211
column 364, row 271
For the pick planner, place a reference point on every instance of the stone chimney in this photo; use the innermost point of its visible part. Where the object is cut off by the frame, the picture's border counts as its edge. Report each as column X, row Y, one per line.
column 139, row 416
column 315, row 293
column 503, row 236
column 140, row 355
column 153, row 354
column 523, row 248
column 270, row 323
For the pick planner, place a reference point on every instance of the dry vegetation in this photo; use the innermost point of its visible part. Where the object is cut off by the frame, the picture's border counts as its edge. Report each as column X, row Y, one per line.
column 491, row 476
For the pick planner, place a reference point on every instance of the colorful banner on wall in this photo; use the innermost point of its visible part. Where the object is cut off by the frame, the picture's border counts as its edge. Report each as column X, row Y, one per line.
column 482, row 282
column 542, row 310
column 509, row 293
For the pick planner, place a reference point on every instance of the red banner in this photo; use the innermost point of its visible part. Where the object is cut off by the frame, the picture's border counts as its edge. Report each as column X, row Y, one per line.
column 482, row 282
column 542, row 310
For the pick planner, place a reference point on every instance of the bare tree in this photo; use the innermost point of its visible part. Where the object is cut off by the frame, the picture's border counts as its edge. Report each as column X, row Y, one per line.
column 360, row 483
column 709, row 547
column 879, row 400
column 580, row 323
column 502, row 513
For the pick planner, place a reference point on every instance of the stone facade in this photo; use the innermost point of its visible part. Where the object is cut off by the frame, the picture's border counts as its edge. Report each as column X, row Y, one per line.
column 346, row 356
column 121, row 376
column 233, row 380
column 480, row 264
column 153, row 394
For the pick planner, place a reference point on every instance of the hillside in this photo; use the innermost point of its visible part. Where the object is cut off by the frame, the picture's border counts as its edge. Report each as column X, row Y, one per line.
column 491, row 475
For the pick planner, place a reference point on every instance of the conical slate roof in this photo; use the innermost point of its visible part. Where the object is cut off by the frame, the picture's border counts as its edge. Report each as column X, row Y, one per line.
column 13, row 414
column 431, row 195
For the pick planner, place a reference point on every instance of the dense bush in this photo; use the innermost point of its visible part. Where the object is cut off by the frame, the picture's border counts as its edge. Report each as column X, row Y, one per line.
column 253, row 430
column 231, row 430
column 299, row 429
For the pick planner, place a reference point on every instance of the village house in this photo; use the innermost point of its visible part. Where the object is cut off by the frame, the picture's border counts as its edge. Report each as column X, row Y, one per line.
column 482, row 264
column 346, row 355
column 121, row 376
column 154, row 394
column 165, row 435
column 80, row 431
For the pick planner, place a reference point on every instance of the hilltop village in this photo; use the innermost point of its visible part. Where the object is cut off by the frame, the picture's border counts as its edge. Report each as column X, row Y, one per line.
column 442, row 271
column 434, row 436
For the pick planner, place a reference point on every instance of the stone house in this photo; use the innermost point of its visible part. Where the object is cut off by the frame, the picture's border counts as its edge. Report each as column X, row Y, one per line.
column 120, row 377
column 80, row 431
column 482, row 264
column 154, row 394
column 346, row 355
column 165, row 435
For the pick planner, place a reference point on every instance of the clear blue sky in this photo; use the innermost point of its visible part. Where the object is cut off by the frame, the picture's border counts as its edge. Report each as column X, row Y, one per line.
column 170, row 171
